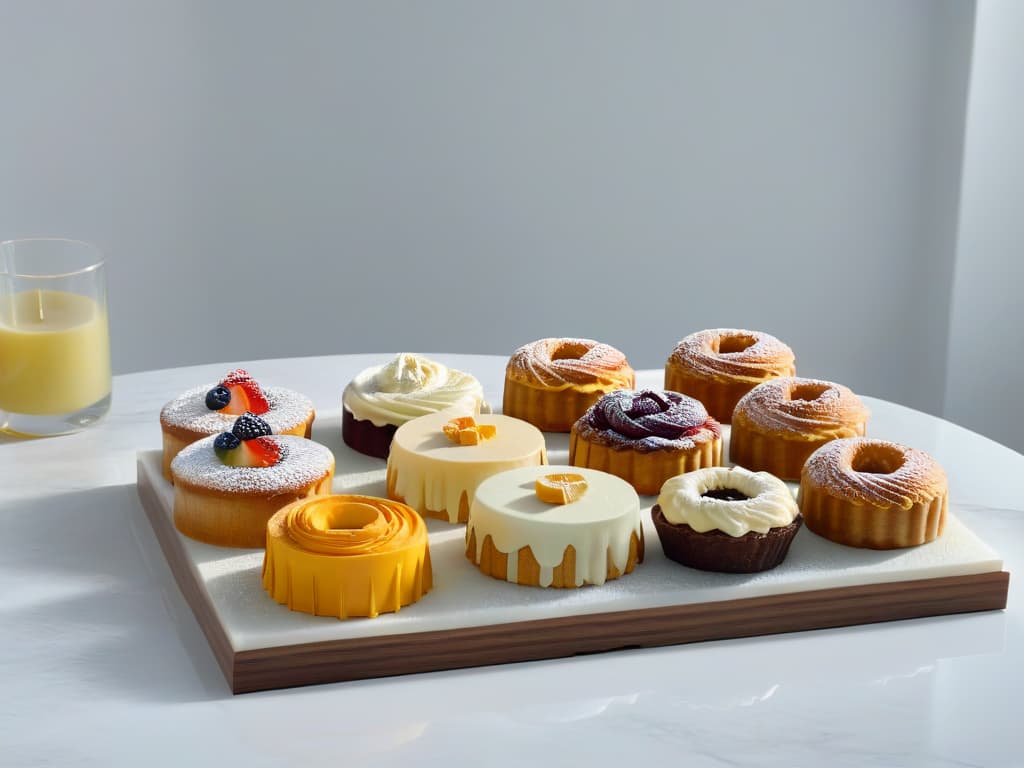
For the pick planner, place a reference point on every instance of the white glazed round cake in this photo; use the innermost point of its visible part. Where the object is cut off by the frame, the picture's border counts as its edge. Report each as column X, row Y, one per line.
column 438, row 478
column 514, row 535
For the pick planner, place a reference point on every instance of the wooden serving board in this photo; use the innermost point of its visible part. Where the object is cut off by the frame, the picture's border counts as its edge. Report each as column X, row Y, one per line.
column 470, row 620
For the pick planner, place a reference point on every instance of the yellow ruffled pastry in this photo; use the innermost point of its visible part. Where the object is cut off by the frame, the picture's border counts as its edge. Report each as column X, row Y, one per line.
column 346, row 556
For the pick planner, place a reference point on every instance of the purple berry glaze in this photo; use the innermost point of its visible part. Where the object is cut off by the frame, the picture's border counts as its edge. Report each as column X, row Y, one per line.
column 649, row 413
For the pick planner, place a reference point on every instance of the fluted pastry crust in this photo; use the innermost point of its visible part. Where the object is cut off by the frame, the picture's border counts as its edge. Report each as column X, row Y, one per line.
column 551, row 382
column 781, row 422
column 719, row 366
column 874, row 494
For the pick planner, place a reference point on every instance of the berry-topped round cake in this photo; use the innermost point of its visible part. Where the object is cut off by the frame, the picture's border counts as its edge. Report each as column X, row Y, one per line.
column 646, row 437
column 212, row 408
column 226, row 487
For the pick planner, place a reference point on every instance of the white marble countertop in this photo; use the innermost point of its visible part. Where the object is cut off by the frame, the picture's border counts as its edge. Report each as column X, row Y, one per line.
column 104, row 665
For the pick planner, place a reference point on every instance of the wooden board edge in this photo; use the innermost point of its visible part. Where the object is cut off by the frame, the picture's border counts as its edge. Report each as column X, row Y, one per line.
column 384, row 656
column 177, row 560
column 390, row 655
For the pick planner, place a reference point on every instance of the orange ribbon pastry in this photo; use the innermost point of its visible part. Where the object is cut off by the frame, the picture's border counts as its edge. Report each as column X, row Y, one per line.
column 346, row 556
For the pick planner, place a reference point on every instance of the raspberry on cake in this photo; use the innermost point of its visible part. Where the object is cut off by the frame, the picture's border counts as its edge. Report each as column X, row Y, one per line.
column 227, row 487
column 212, row 408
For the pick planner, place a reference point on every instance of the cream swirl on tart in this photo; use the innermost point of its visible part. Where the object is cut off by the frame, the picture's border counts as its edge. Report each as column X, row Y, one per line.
column 781, row 422
column 873, row 493
column 383, row 398
column 726, row 519
column 551, row 382
column 719, row 366
column 645, row 437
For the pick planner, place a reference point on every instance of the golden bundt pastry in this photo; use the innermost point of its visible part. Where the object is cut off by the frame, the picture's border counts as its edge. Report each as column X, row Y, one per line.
column 781, row 422
column 551, row 382
column 720, row 366
column 346, row 556
column 873, row 494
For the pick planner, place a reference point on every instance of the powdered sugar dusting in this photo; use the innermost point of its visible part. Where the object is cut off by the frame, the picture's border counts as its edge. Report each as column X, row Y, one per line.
column 647, row 420
column 918, row 479
column 699, row 353
column 774, row 406
column 303, row 462
column 288, row 409
column 585, row 362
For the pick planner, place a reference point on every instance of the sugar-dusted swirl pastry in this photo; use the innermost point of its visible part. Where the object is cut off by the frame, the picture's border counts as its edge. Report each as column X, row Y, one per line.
column 781, row 422
column 645, row 437
column 346, row 556
column 874, row 494
column 726, row 519
column 551, row 382
column 720, row 366
column 381, row 399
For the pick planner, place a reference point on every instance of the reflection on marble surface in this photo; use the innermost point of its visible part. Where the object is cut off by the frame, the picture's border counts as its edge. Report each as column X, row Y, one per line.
column 104, row 664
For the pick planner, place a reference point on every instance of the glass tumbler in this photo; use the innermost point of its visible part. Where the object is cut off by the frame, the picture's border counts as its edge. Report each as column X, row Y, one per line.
column 54, row 337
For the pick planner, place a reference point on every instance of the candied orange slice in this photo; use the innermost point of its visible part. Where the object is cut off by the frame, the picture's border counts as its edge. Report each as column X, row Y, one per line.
column 465, row 431
column 560, row 489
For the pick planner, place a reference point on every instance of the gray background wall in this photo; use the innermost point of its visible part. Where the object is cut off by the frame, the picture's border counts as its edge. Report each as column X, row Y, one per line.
column 273, row 179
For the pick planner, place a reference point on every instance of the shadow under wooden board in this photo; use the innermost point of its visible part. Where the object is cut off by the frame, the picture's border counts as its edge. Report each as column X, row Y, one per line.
column 471, row 620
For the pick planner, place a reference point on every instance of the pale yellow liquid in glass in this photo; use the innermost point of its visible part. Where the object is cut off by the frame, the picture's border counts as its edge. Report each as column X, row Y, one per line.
column 54, row 353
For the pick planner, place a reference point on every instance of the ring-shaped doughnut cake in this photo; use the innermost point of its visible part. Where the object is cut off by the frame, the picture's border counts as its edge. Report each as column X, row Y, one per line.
column 781, row 422
column 721, row 365
column 346, row 556
column 873, row 494
column 726, row 519
column 551, row 382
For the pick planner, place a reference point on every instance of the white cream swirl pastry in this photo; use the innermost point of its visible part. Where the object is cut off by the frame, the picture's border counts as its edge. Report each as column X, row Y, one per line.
column 725, row 519
column 410, row 386
column 380, row 400
column 701, row 500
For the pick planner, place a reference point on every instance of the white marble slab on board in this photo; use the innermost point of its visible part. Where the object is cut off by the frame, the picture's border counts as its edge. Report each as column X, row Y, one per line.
column 463, row 597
